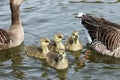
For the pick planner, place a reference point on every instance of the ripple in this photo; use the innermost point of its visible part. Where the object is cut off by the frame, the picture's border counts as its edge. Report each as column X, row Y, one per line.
column 43, row 18
column 94, row 1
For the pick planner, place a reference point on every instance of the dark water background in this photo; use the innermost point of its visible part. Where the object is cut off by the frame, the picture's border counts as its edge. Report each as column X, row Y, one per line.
column 43, row 18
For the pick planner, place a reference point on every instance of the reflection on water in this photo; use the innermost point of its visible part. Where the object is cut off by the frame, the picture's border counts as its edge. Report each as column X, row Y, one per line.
column 95, row 1
column 62, row 74
column 76, row 54
column 14, row 55
column 43, row 18
column 98, row 58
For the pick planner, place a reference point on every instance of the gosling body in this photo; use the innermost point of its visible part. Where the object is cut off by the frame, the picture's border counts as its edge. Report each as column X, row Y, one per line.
column 73, row 43
column 57, row 43
column 39, row 52
column 57, row 60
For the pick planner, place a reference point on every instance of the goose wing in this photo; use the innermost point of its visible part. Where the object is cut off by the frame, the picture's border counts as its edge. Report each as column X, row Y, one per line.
column 106, row 32
column 4, row 39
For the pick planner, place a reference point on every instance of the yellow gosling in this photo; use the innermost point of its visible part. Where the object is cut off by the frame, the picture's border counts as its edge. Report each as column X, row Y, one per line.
column 57, row 43
column 57, row 60
column 39, row 52
column 73, row 43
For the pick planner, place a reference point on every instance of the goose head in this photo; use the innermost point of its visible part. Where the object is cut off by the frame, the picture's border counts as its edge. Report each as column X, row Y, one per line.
column 16, row 2
column 44, row 42
column 80, row 15
column 75, row 36
column 58, row 37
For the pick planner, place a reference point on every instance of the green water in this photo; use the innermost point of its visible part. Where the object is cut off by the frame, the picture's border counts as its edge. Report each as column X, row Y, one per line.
column 43, row 18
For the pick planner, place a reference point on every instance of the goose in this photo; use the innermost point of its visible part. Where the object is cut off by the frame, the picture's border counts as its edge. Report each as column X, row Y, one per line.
column 57, row 44
column 57, row 60
column 39, row 52
column 14, row 36
column 104, row 35
column 73, row 43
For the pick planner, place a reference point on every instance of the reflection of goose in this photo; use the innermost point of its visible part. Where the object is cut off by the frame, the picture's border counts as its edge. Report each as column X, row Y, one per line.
column 57, row 43
column 39, row 52
column 13, row 54
column 105, row 35
column 57, row 60
column 73, row 43
column 15, row 35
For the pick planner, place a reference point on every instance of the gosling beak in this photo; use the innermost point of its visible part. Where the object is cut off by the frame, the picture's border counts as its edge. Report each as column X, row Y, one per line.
column 76, row 37
column 63, row 38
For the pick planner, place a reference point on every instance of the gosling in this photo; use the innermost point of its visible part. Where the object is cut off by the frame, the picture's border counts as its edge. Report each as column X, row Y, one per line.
column 73, row 43
column 39, row 52
column 57, row 44
column 57, row 60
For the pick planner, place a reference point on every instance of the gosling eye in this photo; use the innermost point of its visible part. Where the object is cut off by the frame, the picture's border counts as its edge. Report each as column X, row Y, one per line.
column 73, row 34
column 47, row 41
column 60, row 37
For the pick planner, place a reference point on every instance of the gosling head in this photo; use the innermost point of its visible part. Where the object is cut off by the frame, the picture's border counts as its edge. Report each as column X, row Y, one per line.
column 75, row 35
column 61, row 54
column 58, row 37
column 44, row 42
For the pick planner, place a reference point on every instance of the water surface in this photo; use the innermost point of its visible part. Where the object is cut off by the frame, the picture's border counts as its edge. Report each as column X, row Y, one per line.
column 43, row 18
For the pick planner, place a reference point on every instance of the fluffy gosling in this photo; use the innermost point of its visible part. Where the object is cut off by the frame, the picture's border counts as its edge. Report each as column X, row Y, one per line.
column 39, row 52
column 73, row 43
column 57, row 60
column 57, row 43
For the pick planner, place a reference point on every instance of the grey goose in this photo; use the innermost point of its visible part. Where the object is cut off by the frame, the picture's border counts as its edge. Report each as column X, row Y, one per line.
column 14, row 36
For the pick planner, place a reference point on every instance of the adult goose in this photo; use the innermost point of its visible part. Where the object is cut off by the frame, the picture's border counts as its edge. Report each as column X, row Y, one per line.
column 105, row 35
column 14, row 36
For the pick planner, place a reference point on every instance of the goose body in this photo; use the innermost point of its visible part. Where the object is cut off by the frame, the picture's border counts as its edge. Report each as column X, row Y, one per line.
column 39, row 52
column 57, row 60
column 15, row 35
column 57, row 44
column 73, row 43
column 105, row 35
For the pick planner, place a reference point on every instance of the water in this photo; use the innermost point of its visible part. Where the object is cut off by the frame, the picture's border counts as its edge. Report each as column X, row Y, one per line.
column 43, row 18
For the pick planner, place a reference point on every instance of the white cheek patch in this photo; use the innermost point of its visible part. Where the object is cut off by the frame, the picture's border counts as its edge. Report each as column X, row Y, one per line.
column 80, row 14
